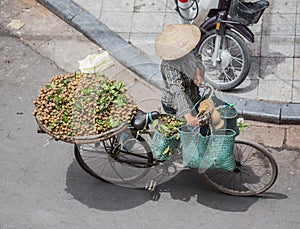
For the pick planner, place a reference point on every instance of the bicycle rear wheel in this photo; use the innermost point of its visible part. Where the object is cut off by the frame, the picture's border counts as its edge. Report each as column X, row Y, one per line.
column 255, row 172
column 115, row 161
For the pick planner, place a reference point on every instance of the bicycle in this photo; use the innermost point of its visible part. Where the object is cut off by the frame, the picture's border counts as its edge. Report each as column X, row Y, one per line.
column 126, row 157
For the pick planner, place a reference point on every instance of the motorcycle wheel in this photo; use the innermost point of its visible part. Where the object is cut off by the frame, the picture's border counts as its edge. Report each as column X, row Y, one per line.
column 234, row 64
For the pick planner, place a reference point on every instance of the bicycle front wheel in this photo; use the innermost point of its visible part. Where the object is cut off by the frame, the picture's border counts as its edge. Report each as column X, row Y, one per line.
column 255, row 172
column 116, row 161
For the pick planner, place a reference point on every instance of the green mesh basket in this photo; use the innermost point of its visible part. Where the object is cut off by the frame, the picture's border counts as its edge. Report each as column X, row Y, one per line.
column 204, row 152
column 160, row 143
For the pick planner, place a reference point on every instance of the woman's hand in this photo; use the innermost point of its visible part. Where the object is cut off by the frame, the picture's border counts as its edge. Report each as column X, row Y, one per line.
column 198, row 78
column 191, row 120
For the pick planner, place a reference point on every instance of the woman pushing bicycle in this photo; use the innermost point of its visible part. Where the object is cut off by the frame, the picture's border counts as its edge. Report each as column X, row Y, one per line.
column 181, row 70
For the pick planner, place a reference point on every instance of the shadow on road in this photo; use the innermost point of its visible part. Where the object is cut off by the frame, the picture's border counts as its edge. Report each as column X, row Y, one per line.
column 185, row 186
column 189, row 184
column 100, row 194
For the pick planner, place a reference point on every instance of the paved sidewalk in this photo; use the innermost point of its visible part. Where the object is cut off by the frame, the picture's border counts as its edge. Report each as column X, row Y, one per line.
column 127, row 29
column 64, row 45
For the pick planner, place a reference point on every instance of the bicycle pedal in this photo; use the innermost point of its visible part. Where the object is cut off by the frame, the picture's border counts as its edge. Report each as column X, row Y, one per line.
column 155, row 196
column 150, row 185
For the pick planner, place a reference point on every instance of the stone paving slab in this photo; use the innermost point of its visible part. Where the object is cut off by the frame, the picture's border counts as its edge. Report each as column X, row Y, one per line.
column 293, row 137
column 12, row 8
column 285, row 6
column 289, row 114
column 298, row 23
column 94, row 7
column 277, row 68
column 248, row 88
column 120, row 23
column 67, row 8
column 46, row 26
column 113, row 5
column 296, row 91
column 278, row 46
column 279, row 24
column 61, row 48
column 268, row 136
column 297, row 44
column 275, row 90
column 271, row 135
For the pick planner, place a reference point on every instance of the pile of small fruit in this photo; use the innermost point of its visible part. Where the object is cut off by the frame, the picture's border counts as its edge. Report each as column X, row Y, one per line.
column 76, row 105
column 168, row 125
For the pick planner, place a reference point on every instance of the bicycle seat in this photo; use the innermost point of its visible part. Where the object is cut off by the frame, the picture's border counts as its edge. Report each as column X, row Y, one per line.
column 140, row 119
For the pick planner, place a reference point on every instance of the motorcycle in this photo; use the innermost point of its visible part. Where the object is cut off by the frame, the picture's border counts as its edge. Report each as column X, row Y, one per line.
column 224, row 26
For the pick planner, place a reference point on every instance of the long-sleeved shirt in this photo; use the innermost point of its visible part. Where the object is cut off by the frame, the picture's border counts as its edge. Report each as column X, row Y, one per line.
column 180, row 92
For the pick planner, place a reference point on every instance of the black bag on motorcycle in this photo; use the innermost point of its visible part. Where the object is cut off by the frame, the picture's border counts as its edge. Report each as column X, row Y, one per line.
column 247, row 13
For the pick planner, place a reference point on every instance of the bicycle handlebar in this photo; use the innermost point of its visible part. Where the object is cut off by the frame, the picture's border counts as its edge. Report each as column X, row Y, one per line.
column 204, row 87
column 204, row 118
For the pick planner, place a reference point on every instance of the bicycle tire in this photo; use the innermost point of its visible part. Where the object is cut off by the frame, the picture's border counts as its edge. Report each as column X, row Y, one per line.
column 110, row 163
column 237, row 56
column 247, row 177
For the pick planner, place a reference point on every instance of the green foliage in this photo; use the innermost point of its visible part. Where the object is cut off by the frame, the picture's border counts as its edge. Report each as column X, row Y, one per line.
column 242, row 126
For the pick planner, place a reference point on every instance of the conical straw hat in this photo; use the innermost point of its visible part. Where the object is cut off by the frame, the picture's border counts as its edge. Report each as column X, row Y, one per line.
column 176, row 41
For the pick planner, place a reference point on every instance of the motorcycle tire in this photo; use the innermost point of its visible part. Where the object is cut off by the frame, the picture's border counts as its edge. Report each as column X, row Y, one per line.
column 234, row 64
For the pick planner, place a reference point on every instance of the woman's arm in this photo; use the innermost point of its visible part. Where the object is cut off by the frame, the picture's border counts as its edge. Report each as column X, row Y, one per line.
column 200, row 70
column 191, row 120
column 198, row 77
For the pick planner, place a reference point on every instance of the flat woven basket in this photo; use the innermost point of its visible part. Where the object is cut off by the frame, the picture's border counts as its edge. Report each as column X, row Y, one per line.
column 83, row 139
column 83, row 108
column 204, row 152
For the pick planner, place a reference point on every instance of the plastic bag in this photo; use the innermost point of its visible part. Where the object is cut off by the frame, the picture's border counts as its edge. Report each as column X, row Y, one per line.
column 95, row 63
